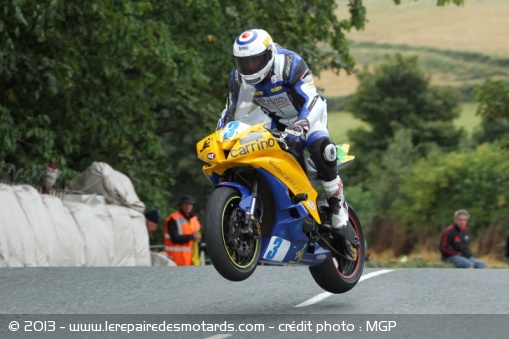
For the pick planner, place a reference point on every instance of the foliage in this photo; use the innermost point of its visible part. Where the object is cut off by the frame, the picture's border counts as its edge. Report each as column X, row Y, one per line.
column 447, row 2
column 474, row 179
column 398, row 95
column 387, row 176
column 137, row 83
column 440, row 2
column 493, row 98
column 114, row 80
column 416, row 262
column 492, row 130
column 294, row 25
column 76, row 85
column 310, row 28
column 363, row 203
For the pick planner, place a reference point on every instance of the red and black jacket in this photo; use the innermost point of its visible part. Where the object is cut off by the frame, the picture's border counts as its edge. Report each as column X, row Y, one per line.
column 454, row 241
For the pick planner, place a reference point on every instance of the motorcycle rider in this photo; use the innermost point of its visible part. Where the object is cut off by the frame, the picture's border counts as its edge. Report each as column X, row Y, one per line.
column 285, row 90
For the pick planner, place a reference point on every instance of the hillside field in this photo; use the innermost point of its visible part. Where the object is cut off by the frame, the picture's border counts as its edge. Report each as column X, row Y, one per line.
column 459, row 46
column 341, row 122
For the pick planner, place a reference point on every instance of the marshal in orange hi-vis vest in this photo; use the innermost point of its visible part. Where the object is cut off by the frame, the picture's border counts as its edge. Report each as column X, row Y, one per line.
column 181, row 254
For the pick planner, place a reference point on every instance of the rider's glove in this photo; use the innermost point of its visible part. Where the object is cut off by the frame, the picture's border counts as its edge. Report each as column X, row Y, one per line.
column 297, row 129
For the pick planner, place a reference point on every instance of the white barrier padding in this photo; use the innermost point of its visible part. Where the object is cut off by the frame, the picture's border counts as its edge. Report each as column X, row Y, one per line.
column 97, row 234
column 41, row 226
column 141, row 239
column 17, row 242
column 70, row 240
column 38, row 230
column 89, row 199
column 100, row 178
column 123, row 227
column 161, row 259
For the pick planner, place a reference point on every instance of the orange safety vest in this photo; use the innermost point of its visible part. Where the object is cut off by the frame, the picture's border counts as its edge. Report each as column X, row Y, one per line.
column 181, row 254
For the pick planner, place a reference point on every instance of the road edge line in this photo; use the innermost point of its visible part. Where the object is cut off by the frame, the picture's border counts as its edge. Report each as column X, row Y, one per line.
column 322, row 296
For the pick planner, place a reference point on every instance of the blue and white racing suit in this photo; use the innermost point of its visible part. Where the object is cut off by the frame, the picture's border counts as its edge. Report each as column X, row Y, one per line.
column 286, row 95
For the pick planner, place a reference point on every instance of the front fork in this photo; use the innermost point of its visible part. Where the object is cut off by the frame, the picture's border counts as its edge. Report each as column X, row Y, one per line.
column 251, row 223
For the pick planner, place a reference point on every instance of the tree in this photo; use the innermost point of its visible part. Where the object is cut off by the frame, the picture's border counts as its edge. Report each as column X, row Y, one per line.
column 435, row 187
column 493, row 98
column 492, row 130
column 398, row 95
column 115, row 80
column 388, row 174
column 77, row 86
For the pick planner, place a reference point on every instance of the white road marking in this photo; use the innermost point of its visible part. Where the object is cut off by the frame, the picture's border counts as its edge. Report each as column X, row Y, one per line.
column 325, row 295
column 219, row 336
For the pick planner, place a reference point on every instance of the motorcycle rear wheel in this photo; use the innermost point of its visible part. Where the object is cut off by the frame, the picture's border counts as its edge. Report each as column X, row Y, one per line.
column 234, row 255
column 337, row 274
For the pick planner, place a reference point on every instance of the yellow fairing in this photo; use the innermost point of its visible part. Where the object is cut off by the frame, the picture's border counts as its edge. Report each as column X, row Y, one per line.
column 257, row 148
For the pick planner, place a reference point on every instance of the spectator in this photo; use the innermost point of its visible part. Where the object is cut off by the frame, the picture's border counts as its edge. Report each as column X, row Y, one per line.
column 181, row 231
column 454, row 243
column 152, row 220
column 52, row 173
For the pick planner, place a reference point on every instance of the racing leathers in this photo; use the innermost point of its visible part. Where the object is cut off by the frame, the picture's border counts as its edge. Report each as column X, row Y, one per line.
column 288, row 95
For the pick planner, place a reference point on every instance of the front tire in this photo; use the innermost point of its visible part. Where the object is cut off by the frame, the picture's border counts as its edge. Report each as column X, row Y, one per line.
column 234, row 255
column 337, row 274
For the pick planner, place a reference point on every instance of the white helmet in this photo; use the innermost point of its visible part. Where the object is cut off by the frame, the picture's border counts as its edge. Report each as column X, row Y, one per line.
column 254, row 53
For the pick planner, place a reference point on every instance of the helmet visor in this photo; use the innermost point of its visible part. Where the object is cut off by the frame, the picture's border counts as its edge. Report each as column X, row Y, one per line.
column 252, row 64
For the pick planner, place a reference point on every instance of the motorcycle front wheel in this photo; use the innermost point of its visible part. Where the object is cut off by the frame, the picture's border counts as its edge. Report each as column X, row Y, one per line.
column 234, row 254
column 343, row 269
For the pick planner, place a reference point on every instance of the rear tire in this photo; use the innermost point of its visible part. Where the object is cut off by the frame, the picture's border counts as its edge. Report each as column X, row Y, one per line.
column 234, row 256
column 337, row 274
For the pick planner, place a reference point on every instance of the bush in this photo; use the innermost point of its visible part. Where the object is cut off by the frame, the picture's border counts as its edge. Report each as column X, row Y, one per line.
column 398, row 95
column 476, row 180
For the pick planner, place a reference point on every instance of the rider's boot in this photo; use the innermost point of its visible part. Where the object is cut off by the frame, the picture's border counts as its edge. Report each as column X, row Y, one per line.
column 339, row 208
column 334, row 192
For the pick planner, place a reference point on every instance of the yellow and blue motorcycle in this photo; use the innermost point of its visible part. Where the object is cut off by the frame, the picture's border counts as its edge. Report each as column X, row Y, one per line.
column 265, row 208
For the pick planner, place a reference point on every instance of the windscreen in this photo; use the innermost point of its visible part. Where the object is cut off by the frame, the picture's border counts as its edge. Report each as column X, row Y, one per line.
column 247, row 110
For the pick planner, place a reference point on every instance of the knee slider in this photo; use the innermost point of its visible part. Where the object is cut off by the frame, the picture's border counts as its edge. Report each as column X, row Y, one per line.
column 323, row 153
column 325, row 150
column 329, row 152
